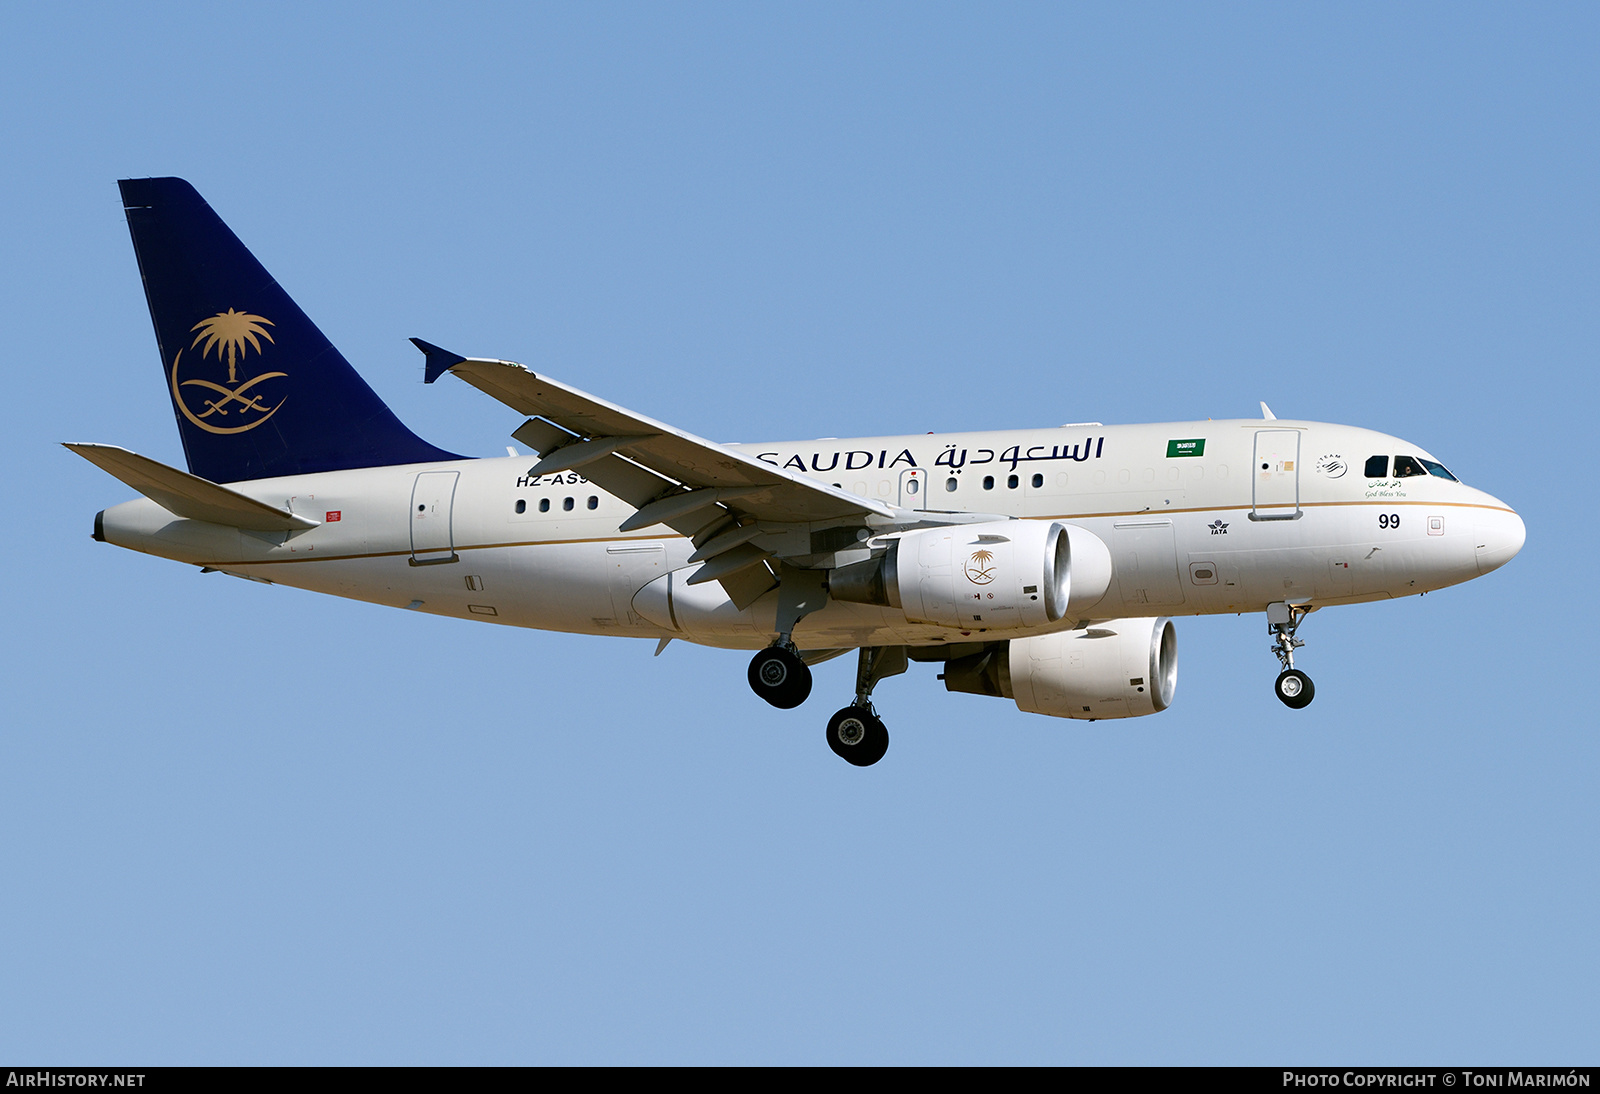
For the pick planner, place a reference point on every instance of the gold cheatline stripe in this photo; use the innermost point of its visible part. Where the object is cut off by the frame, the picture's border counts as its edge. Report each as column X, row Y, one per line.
column 1378, row 503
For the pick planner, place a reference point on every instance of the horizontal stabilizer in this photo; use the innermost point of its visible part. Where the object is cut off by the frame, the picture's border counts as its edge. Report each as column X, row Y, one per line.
column 187, row 495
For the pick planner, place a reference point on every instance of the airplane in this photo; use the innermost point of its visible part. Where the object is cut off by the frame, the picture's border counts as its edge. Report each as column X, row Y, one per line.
column 1044, row 566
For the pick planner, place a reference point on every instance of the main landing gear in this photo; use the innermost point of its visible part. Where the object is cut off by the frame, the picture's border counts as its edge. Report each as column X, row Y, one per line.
column 776, row 673
column 856, row 734
column 1293, row 687
column 779, row 676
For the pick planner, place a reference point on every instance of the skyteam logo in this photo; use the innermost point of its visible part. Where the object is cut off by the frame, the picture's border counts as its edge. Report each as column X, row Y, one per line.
column 1332, row 465
column 216, row 405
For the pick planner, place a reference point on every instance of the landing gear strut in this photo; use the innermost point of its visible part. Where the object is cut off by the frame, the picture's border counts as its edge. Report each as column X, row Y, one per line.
column 1293, row 687
column 856, row 733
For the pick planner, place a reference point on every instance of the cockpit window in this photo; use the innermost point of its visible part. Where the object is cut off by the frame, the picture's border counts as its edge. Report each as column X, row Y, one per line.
column 1406, row 467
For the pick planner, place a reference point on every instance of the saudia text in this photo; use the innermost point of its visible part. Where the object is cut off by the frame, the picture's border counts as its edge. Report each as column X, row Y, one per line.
column 859, row 459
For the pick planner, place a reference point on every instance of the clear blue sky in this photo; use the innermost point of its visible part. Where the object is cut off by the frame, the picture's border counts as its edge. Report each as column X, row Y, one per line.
column 251, row 824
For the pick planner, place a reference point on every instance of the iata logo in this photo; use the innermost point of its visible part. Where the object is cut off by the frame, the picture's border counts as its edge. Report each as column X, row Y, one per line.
column 980, row 568
column 216, row 406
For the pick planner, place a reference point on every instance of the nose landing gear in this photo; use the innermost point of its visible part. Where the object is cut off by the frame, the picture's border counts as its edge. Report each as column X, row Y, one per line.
column 1293, row 687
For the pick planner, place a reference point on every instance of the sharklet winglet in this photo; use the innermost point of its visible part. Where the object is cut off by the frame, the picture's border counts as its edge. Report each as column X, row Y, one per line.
column 439, row 361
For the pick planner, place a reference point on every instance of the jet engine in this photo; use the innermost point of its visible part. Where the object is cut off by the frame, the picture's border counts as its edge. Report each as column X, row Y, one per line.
column 1122, row 668
column 1000, row 575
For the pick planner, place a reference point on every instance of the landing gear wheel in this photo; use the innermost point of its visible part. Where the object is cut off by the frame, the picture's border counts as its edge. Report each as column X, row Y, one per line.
column 1294, row 688
column 780, row 677
column 858, row 736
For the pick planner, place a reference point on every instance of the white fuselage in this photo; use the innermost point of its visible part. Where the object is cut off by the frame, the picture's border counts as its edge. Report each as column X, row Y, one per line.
column 1199, row 517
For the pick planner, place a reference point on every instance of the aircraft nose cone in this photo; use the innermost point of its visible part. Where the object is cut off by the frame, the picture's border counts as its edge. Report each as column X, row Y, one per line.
column 1501, row 535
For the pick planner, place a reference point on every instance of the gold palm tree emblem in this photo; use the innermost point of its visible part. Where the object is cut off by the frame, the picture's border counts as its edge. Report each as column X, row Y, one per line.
column 230, row 330
column 979, row 572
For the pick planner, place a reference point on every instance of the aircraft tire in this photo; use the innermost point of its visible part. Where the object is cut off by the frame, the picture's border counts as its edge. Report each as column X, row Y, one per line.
column 1294, row 688
column 858, row 736
column 780, row 677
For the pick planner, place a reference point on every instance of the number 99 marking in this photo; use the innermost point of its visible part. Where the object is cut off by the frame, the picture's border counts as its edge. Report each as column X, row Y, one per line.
column 1390, row 521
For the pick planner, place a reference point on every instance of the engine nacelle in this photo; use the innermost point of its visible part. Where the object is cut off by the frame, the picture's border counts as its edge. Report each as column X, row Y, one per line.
column 1003, row 575
column 1123, row 668
column 999, row 575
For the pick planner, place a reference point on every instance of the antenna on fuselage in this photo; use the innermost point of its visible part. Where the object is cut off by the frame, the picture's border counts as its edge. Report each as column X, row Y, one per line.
column 1266, row 412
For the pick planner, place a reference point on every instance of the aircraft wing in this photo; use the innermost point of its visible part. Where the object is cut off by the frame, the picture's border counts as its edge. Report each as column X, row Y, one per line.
column 599, row 429
column 718, row 497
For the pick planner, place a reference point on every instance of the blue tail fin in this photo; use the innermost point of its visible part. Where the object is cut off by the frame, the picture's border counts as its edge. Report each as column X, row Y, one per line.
column 258, row 390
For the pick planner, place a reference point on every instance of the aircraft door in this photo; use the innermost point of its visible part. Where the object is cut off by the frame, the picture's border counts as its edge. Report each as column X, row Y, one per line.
column 914, row 488
column 432, row 499
column 1275, row 475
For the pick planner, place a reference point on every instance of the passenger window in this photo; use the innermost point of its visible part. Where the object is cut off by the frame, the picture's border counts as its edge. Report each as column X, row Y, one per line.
column 522, row 505
column 594, row 502
column 1038, row 481
column 566, row 503
column 1377, row 467
column 544, row 505
column 950, row 484
column 1405, row 467
column 1011, row 482
column 1439, row 469
column 988, row 482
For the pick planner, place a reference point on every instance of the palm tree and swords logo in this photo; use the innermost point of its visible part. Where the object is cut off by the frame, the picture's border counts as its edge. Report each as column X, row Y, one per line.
column 980, row 567
column 231, row 334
